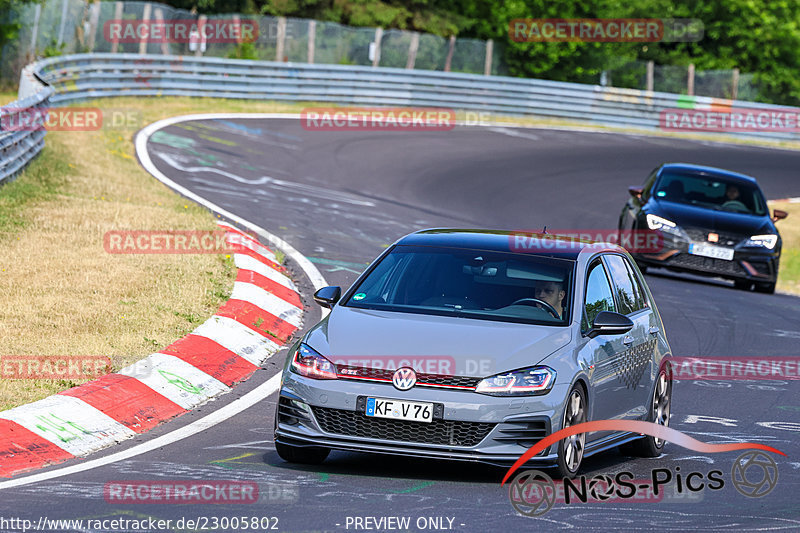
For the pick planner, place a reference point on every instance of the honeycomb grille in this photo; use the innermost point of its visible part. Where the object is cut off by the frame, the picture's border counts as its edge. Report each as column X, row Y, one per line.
column 708, row 264
column 442, row 432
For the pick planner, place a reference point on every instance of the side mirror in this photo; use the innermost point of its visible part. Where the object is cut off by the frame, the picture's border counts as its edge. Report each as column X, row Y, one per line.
column 328, row 296
column 636, row 192
column 610, row 323
column 779, row 214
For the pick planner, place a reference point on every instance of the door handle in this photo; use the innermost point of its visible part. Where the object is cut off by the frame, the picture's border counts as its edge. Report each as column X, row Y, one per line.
column 628, row 340
column 653, row 330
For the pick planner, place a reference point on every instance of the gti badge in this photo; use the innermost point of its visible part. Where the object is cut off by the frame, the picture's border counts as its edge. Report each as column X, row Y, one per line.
column 404, row 378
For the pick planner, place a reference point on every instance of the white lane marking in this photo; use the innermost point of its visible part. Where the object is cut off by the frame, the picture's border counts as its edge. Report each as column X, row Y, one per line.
column 246, row 262
column 313, row 190
column 238, row 338
column 77, row 428
column 175, row 379
column 220, row 415
column 268, row 302
column 317, row 279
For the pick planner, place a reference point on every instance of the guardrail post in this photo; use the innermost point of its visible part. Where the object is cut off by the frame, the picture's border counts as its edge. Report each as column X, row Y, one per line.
column 94, row 18
column 735, row 91
column 37, row 12
column 487, row 64
column 451, row 47
column 412, row 50
column 201, row 36
column 117, row 16
column 160, row 19
column 145, row 17
column 281, row 39
column 650, row 75
column 690, row 80
column 376, row 48
column 312, row 38
column 64, row 5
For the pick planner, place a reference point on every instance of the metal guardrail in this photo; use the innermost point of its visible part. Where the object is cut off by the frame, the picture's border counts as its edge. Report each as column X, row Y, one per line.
column 66, row 79
column 18, row 146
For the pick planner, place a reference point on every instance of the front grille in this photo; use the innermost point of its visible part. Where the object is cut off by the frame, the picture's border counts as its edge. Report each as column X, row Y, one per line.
column 724, row 239
column 423, row 380
column 441, row 432
column 708, row 264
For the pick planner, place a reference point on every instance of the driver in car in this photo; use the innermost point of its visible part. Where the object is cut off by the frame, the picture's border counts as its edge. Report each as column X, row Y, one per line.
column 551, row 292
column 732, row 193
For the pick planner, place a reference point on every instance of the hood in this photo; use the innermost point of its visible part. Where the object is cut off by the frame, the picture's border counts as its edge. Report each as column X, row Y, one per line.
column 711, row 219
column 432, row 344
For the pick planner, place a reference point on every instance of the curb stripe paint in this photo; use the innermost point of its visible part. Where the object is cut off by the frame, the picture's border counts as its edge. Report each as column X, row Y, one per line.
column 175, row 379
column 212, row 358
column 70, row 423
column 238, row 337
column 258, row 320
column 22, row 449
column 127, row 400
column 263, row 282
column 246, row 262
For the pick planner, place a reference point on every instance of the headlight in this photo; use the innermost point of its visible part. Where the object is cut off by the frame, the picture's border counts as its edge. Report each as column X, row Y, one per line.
column 310, row 364
column 655, row 222
column 765, row 241
column 523, row 382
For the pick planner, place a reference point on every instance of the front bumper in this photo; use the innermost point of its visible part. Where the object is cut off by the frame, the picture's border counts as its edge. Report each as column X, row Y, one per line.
column 751, row 264
column 467, row 426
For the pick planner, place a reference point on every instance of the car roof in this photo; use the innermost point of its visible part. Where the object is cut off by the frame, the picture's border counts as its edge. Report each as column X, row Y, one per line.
column 708, row 171
column 565, row 247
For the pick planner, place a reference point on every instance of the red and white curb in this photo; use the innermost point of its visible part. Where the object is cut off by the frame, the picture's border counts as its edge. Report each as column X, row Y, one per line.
column 263, row 312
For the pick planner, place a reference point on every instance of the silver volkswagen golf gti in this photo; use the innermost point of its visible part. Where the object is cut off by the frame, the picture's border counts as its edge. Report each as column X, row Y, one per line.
column 474, row 345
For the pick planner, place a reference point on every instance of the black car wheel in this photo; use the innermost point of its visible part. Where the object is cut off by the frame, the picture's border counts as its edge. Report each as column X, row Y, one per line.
column 570, row 449
column 742, row 284
column 660, row 403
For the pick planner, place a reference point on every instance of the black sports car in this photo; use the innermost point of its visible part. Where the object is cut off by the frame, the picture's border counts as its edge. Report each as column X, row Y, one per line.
column 713, row 222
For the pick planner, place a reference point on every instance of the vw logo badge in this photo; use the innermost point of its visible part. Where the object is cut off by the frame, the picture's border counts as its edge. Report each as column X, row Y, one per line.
column 404, row 378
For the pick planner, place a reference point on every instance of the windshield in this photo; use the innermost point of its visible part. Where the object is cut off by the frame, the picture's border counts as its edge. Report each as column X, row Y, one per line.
column 468, row 283
column 711, row 192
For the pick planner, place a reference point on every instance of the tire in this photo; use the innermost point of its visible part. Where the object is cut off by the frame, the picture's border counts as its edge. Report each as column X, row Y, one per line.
column 307, row 455
column 742, row 284
column 570, row 450
column 768, row 288
column 660, row 404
